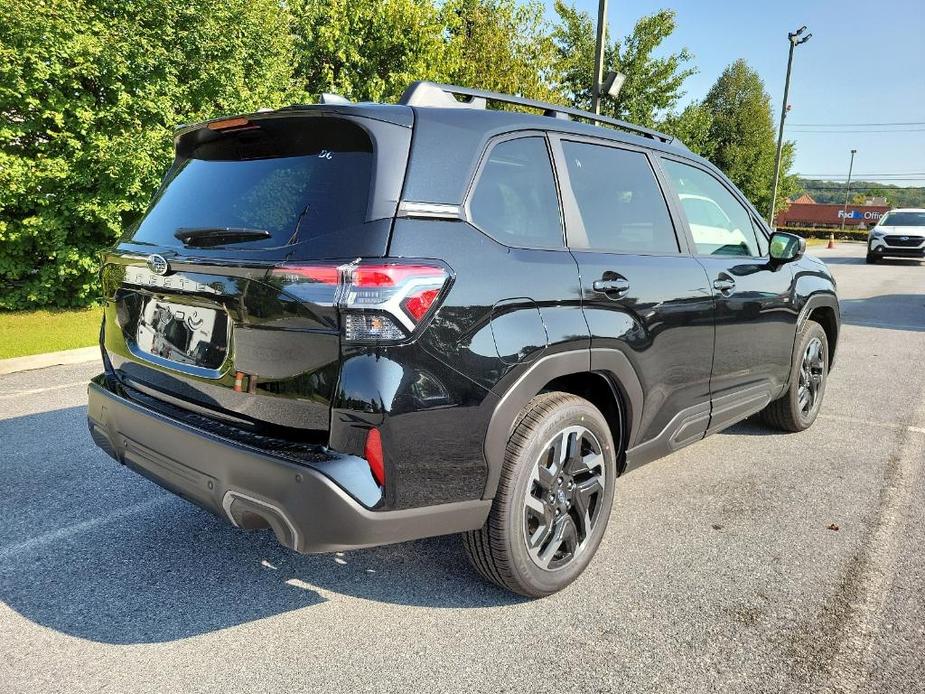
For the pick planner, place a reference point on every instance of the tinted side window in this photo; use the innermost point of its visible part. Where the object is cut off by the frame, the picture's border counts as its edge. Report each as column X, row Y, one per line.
column 621, row 204
column 719, row 223
column 515, row 199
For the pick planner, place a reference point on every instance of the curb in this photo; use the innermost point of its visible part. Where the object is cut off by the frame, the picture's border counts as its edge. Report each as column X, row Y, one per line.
column 41, row 361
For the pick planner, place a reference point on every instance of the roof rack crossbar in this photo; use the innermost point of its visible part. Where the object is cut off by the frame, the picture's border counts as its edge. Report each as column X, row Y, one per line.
column 433, row 94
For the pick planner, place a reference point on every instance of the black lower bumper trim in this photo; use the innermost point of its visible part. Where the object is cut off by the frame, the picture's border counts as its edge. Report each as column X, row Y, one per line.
column 308, row 511
column 899, row 252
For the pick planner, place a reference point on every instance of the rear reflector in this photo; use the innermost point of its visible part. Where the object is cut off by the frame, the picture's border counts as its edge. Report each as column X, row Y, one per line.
column 373, row 454
column 380, row 302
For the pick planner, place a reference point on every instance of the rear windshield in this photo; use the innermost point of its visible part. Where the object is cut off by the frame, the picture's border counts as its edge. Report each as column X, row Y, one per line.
column 296, row 179
column 904, row 219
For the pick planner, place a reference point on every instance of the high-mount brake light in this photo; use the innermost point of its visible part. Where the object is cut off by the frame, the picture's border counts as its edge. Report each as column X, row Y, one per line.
column 229, row 124
column 379, row 302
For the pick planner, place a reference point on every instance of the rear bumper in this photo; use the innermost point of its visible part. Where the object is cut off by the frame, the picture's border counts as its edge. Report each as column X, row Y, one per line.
column 307, row 509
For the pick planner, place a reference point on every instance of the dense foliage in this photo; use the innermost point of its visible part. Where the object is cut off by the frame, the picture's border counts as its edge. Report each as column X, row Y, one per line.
column 834, row 192
column 90, row 91
column 89, row 94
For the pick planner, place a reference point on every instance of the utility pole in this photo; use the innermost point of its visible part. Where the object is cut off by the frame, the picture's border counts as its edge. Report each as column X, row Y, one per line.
column 599, row 56
column 795, row 40
column 847, row 189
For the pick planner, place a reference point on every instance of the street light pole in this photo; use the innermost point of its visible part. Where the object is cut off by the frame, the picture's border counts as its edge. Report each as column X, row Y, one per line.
column 599, row 56
column 847, row 189
column 795, row 41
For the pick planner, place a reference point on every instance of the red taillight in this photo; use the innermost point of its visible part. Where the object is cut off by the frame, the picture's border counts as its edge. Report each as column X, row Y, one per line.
column 373, row 454
column 379, row 302
column 392, row 275
column 322, row 274
column 419, row 303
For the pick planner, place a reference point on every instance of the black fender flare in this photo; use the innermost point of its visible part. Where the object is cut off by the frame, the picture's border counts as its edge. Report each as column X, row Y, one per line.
column 825, row 299
column 818, row 300
column 611, row 363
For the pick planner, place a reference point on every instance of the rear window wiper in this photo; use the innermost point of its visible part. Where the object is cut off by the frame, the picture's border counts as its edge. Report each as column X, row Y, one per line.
column 219, row 236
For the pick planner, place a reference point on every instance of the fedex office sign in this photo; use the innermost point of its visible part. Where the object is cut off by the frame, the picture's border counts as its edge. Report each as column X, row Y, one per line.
column 857, row 214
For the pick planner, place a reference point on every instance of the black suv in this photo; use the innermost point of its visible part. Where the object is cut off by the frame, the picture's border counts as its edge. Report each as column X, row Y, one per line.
column 359, row 324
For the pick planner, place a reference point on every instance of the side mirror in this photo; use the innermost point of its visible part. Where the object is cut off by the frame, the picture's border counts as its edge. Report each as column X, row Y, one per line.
column 786, row 247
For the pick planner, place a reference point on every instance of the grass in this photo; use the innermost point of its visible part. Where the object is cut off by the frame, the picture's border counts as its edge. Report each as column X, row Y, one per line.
column 33, row 332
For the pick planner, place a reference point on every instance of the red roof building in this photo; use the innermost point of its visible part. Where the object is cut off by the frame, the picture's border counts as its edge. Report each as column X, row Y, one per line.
column 803, row 214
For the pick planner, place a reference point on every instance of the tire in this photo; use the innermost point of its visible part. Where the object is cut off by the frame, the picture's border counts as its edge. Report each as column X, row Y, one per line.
column 789, row 412
column 564, row 537
column 871, row 259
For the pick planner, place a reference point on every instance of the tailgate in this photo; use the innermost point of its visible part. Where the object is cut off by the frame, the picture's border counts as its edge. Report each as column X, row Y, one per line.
column 224, row 341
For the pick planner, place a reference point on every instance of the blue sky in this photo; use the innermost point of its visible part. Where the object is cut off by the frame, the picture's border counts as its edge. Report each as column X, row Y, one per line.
column 864, row 64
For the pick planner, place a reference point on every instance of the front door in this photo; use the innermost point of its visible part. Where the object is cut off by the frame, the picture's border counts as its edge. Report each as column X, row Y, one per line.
column 755, row 316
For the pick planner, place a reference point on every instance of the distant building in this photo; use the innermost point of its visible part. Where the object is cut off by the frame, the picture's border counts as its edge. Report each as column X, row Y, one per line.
column 806, row 212
column 876, row 200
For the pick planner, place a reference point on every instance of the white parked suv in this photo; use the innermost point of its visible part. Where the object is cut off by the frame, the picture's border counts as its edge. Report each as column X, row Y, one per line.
column 899, row 234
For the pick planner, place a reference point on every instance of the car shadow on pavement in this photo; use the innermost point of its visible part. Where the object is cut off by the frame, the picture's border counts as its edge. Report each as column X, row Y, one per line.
column 842, row 260
column 753, row 426
column 93, row 550
column 853, row 260
column 889, row 311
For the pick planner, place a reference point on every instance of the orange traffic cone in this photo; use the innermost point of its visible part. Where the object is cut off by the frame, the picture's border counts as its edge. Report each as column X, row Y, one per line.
column 831, row 240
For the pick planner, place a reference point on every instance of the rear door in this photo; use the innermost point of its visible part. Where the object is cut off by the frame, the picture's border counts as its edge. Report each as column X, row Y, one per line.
column 644, row 296
column 755, row 316
column 199, row 313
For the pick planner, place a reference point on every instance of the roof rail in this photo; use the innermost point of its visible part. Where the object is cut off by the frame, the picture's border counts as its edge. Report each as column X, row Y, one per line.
column 432, row 94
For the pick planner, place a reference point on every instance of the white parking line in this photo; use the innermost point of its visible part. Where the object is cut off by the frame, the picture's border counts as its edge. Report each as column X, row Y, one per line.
column 853, row 662
column 36, row 391
column 68, row 531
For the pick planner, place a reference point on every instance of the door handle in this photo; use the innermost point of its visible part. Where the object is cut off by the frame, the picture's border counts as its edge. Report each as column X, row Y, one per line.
column 616, row 287
column 725, row 285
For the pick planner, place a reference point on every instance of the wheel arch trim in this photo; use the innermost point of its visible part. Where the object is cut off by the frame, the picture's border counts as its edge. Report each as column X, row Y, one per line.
column 813, row 302
column 612, row 364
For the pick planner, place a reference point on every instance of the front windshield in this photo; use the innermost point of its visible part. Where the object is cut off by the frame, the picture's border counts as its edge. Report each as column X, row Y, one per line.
column 904, row 219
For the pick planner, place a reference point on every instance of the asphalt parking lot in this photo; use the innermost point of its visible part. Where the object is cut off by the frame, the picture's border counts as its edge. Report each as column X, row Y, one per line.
column 721, row 570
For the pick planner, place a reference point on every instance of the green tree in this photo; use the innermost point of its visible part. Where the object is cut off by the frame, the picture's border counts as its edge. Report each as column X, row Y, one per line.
column 653, row 83
column 373, row 50
column 501, row 45
column 366, row 50
column 692, row 127
column 743, row 138
column 90, row 91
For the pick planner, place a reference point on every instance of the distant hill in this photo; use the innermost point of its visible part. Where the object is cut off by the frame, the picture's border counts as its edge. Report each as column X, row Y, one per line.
column 834, row 191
